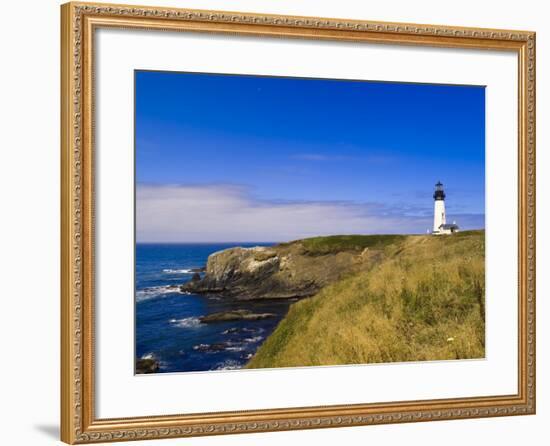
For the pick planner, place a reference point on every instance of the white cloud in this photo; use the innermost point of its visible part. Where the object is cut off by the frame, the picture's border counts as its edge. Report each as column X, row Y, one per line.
column 218, row 213
column 373, row 158
column 319, row 157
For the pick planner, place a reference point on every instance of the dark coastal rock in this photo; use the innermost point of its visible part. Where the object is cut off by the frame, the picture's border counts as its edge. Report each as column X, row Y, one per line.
column 196, row 277
column 283, row 271
column 235, row 330
column 202, row 269
column 147, row 366
column 235, row 315
column 210, row 347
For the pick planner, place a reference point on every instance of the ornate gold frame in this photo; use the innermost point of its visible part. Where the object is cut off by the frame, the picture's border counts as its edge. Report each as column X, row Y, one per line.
column 78, row 423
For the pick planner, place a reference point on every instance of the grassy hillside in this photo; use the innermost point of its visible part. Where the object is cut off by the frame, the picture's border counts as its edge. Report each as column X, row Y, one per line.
column 421, row 299
column 344, row 243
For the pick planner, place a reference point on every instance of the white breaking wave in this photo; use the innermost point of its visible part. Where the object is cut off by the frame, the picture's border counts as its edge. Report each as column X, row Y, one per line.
column 155, row 291
column 148, row 356
column 229, row 365
column 253, row 339
column 177, row 271
column 235, row 349
column 186, row 322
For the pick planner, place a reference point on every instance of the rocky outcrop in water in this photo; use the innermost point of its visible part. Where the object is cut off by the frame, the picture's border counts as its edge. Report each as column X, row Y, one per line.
column 147, row 365
column 235, row 315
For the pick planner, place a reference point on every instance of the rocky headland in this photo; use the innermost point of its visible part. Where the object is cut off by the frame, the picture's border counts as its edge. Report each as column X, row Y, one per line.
column 289, row 270
column 404, row 298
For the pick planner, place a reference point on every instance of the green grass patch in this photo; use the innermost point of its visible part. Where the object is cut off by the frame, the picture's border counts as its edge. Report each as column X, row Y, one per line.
column 338, row 243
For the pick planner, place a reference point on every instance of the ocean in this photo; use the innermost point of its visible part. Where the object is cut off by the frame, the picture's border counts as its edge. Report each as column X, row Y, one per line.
column 167, row 326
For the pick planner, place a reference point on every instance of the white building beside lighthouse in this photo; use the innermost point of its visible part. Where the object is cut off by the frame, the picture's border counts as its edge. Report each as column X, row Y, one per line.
column 440, row 219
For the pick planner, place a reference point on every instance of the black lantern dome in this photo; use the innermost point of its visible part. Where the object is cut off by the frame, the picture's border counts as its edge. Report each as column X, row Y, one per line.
column 439, row 193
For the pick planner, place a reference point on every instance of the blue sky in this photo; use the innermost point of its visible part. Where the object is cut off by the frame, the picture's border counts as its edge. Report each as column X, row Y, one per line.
column 357, row 155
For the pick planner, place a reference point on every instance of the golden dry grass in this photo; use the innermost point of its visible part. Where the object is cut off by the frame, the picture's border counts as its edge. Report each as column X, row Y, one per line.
column 423, row 299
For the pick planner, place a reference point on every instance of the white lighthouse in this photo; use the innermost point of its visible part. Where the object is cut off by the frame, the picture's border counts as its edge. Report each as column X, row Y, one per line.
column 440, row 219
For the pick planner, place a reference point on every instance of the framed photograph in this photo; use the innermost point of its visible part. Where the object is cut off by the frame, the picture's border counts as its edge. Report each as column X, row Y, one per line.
column 276, row 223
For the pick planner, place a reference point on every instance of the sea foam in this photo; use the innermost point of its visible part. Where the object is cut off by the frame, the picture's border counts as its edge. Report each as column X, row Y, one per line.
column 229, row 365
column 186, row 322
column 155, row 291
column 177, row 271
column 253, row 339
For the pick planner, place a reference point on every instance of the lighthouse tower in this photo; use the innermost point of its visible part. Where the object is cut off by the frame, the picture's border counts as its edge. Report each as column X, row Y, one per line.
column 439, row 207
column 440, row 220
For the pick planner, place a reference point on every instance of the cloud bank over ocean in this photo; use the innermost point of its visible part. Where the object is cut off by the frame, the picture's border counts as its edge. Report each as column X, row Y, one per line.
column 230, row 213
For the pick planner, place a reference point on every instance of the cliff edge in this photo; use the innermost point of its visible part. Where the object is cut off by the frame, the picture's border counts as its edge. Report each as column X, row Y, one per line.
column 288, row 270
